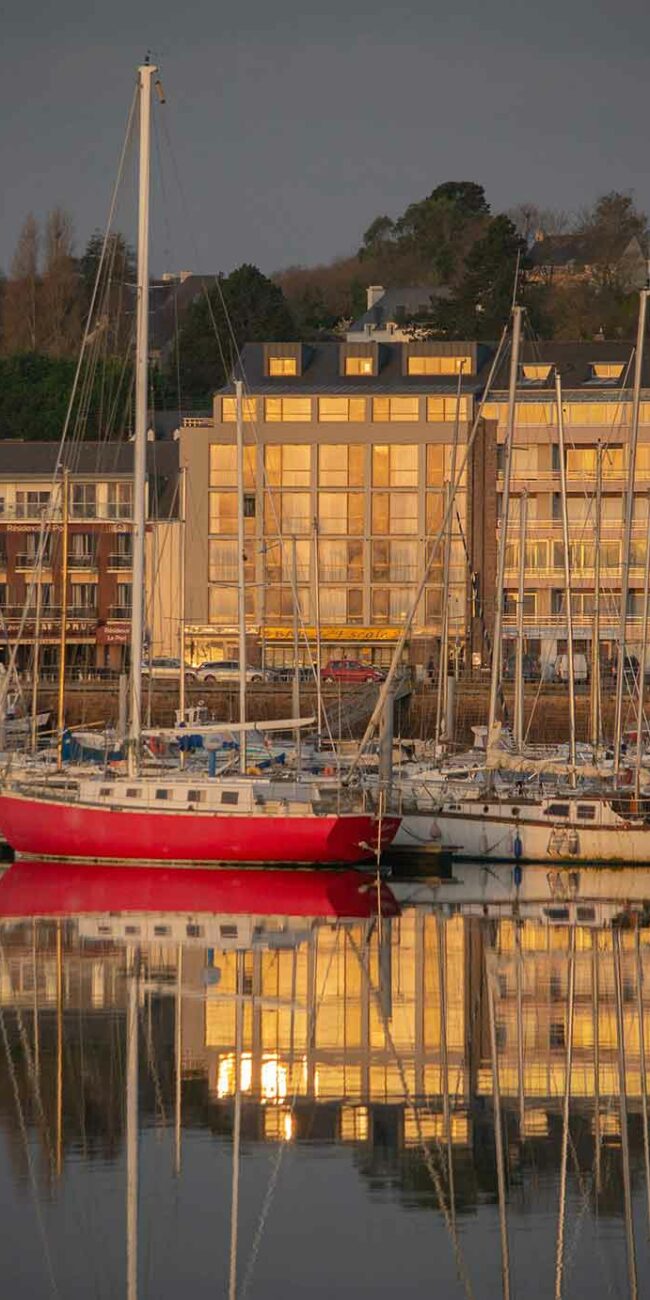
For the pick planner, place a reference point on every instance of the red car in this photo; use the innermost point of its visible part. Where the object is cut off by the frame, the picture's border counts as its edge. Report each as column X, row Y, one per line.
column 350, row 670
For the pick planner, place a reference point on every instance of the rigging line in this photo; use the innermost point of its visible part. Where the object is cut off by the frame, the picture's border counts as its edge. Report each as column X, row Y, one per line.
column 28, row 1155
column 31, row 1071
column 433, row 1172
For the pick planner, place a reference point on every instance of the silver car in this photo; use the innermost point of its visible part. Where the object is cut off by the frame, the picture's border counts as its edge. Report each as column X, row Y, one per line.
column 226, row 670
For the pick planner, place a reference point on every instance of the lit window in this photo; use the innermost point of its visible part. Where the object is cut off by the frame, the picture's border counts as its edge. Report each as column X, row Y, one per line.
column 428, row 365
column 223, row 465
column 448, row 408
column 223, row 605
column 435, row 464
column 594, row 413
column 223, row 512
column 535, row 373
column 395, row 466
column 283, row 365
column 333, row 409
column 341, row 466
column 396, row 408
column 359, row 366
column 288, row 409
column 341, row 512
column 606, row 370
column 230, row 796
column 229, row 409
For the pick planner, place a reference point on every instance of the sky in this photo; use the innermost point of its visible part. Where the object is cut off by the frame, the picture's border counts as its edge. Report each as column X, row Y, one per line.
column 289, row 126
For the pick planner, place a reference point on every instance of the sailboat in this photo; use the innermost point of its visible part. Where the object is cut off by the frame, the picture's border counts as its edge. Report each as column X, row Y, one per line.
column 179, row 817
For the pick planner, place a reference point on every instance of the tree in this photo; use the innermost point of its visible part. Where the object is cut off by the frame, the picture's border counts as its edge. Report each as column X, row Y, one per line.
column 605, row 231
column 20, row 301
column 242, row 307
column 114, row 293
column 60, row 295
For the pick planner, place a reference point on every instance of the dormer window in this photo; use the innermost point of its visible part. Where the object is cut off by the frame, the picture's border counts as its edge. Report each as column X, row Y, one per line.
column 438, row 365
column 359, row 366
column 609, row 371
column 535, row 372
column 283, row 366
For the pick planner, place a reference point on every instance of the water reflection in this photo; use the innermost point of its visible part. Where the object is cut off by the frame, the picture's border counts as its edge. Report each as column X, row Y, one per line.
column 239, row 1080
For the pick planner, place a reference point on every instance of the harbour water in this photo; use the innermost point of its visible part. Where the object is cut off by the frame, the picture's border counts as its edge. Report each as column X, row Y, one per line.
column 303, row 1102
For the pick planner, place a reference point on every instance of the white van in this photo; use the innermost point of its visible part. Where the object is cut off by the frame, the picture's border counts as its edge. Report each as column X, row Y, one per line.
column 580, row 668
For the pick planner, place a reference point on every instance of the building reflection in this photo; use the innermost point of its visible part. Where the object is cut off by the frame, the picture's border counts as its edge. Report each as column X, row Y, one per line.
column 373, row 1032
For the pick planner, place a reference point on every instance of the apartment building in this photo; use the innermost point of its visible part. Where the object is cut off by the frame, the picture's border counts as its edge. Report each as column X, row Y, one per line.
column 348, row 447
column 99, row 545
column 597, row 407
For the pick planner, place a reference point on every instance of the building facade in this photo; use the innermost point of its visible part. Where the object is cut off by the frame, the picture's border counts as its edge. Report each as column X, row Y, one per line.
column 348, row 448
column 99, row 546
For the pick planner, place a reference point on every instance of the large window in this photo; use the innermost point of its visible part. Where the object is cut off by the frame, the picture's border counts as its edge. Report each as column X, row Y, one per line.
column 223, row 465
column 288, row 410
column 83, row 503
column 583, row 461
column 288, row 465
column 395, row 466
column 279, row 603
column 223, row 605
column 223, row 512
column 405, row 409
column 536, row 557
column 279, row 561
column 394, row 512
column 296, row 513
column 427, row 365
column 391, row 604
column 341, row 512
column 229, row 410
column 338, row 605
column 222, row 563
column 30, row 505
column 283, row 365
column 83, row 598
column 336, row 409
column 359, row 366
column 394, row 561
column 448, row 408
column 341, row 466
column 119, row 500
column 340, row 561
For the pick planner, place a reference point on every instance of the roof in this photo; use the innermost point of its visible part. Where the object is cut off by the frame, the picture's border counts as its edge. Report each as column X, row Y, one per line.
column 574, row 362
column 395, row 304
column 168, row 303
column 20, row 459
column 321, row 373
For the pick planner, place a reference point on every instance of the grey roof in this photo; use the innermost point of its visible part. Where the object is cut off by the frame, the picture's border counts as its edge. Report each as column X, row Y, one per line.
column 20, row 459
column 574, row 362
column 321, row 373
column 397, row 303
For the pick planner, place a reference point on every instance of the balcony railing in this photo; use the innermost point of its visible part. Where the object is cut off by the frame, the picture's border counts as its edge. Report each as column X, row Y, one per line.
column 120, row 561
column 82, row 611
column 84, row 561
column 27, row 560
column 119, row 611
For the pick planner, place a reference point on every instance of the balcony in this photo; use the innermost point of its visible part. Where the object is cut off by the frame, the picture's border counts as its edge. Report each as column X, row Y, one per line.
column 120, row 611
column 119, row 561
column 84, row 561
column 82, row 611
column 27, row 560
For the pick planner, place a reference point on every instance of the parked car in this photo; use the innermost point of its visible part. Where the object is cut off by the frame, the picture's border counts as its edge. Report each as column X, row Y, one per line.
column 351, row 670
column 225, row 670
column 165, row 667
column 580, row 668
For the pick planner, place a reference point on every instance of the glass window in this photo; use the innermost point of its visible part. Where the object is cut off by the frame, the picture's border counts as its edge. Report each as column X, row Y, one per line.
column 607, row 369
column 119, row 504
column 30, row 505
column 447, row 408
column 594, row 412
column 288, row 465
column 380, row 605
column 434, row 511
column 223, row 605
column 333, row 604
column 223, row 512
column 395, row 466
column 288, row 409
column 435, row 464
column 394, row 561
column 400, row 600
column 359, row 365
column 339, row 561
column 296, row 512
column 341, row 512
column 433, row 604
column 83, row 503
column 283, row 365
column 222, row 561
column 341, row 466
column 229, row 409
column 428, row 365
column 333, row 409
column 223, row 465
column 535, row 372
column 403, row 512
column 405, row 409
column 380, row 513
column 355, row 605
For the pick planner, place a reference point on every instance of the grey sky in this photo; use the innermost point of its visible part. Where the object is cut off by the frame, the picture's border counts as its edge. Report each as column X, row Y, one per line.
column 293, row 126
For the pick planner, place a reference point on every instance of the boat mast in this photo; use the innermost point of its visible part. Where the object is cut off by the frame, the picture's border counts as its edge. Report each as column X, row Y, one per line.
column 319, row 656
column 181, row 595
column 132, row 980
column 241, row 575
column 146, row 73
column 505, row 509
column 567, row 578
column 627, row 537
column 443, row 684
column 296, row 664
column 568, row 1066
column 643, row 658
column 64, row 615
column 595, row 641
column 625, row 1143
column 519, row 661
column 36, row 666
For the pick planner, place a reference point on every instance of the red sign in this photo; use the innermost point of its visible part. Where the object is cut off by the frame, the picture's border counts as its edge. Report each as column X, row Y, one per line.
column 116, row 634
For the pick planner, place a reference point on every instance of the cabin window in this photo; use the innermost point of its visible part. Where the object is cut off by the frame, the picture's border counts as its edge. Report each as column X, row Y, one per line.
column 556, row 1034
column 106, row 792
column 230, row 796
column 161, row 930
column 587, row 811
column 194, row 931
column 162, row 794
column 557, row 810
column 196, row 796
column 104, row 929
column 585, row 913
column 132, row 929
column 133, row 792
column 228, row 931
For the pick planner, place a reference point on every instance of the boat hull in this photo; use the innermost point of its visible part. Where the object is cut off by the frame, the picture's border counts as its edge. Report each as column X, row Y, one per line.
column 471, row 837
column 37, row 827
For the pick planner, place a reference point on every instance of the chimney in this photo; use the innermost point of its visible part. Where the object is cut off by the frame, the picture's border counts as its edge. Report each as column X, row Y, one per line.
column 374, row 292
